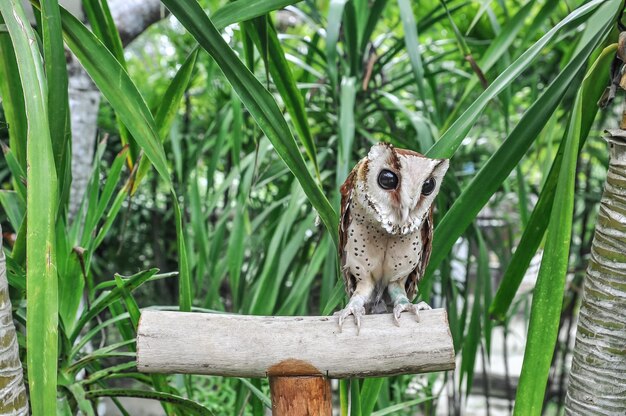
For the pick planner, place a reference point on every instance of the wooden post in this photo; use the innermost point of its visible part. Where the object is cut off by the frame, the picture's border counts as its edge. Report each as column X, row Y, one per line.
column 297, row 395
column 299, row 354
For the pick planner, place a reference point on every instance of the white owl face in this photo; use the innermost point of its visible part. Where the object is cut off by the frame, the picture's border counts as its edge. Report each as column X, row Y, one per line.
column 397, row 187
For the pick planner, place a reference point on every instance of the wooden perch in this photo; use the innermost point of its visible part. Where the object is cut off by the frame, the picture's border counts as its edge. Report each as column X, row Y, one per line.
column 261, row 346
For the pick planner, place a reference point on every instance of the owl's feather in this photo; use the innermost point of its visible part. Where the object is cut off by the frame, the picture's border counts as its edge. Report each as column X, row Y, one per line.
column 344, row 223
column 427, row 244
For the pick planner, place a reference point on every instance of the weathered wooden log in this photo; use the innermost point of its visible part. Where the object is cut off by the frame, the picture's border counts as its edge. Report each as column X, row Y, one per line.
column 261, row 346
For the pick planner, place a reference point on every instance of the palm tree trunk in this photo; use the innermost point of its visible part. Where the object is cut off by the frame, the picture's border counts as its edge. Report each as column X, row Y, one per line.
column 597, row 383
column 13, row 399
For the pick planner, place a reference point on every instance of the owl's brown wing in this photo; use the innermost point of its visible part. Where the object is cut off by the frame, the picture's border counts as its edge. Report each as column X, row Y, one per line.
column 427, row 246
column 344, row 223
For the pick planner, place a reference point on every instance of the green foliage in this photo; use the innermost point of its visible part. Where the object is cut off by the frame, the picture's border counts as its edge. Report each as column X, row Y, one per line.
column 252, row 118
column 41, row 206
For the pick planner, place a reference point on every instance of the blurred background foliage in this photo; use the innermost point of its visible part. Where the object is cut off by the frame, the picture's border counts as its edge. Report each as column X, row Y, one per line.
column 490, row 84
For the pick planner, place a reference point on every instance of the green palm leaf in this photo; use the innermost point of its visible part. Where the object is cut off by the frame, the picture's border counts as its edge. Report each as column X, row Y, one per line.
column 257, row 100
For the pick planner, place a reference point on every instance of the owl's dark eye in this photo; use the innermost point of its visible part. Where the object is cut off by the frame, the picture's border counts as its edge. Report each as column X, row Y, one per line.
column 387, row 179
column 429, row 186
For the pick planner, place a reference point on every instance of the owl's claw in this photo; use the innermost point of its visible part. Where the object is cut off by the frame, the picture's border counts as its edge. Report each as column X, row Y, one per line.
column 355, row 308
column 423, row 306
column 409, row 307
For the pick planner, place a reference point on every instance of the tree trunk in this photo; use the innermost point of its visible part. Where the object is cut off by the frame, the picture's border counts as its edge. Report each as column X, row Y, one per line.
column 597, row 382
column 131, row 17
column 84, row 100
column 13, row 399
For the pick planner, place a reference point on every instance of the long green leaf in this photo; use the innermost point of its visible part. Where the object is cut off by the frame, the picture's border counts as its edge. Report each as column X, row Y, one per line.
column 58, row 105
column 423, row 23
column 472, row 339
column 287, row 88
column 104, row 28
column 257, row 100
column 350, row 37
column 549, row 289
column 84, row 405
column 159, row 380
column 335, row 12
column 116, row 205
column 346, row 128
column 17, row 172
column 593, row 87
column 548, row 293
column 109, row 297
column 242, row 10
column 452, row 138
column 401, row 406
column 257, row 392
column 87, row 336
column 100, row 203
column 72, row 278
column 41, row 203
column 13, row 207
column 118, row 89
column 355, row 398
column 369, row 394
column 495, row 51
column 503, row 161
column 174, row 93
column 122, row 94
column 237, row 245
column 167, row 109
column 184, row 404
column 235, row 252
column 413, row 49
column 184, row 278
column 373, row 18
column 302, row 285
column 199, row 253
column 264, row 298
column 337, row 295
column 238, row 132
column 12, row 98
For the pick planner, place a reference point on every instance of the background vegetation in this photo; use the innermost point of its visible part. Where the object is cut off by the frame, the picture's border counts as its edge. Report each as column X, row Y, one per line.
column 226, row 132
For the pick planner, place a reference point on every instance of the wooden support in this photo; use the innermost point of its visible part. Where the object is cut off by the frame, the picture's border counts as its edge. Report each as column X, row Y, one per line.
column 309, row 395
column 258, row 346
column 298, row 354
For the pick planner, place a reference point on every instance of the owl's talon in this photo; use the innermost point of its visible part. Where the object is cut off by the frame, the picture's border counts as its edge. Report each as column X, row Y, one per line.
column 356, row 309
column 403, row 307
column 408, row 307
column 423, row 306
column 396, row 317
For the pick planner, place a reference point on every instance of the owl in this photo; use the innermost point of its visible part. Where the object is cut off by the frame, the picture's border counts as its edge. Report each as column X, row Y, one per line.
column 386, row 230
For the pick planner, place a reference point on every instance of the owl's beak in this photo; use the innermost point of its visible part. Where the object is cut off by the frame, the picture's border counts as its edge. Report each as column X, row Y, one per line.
column 405, row 214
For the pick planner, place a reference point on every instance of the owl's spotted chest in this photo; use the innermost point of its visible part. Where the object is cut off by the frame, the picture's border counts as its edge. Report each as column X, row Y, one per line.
column 373, row 253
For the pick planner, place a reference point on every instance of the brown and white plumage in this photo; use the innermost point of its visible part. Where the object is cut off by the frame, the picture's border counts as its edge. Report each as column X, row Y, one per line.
column 386, row 227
